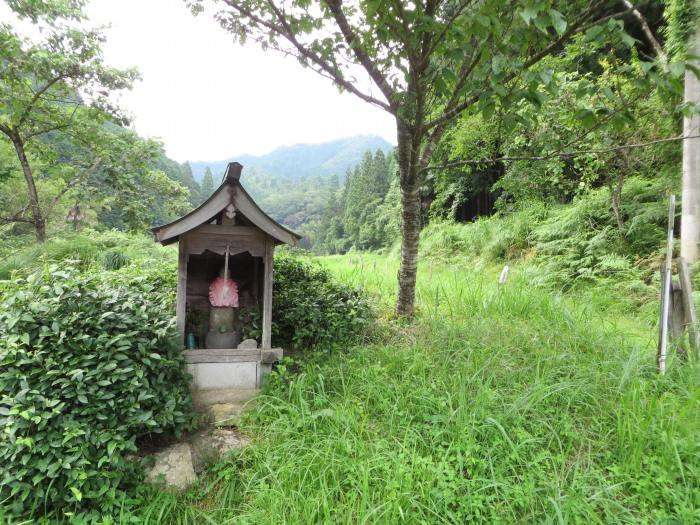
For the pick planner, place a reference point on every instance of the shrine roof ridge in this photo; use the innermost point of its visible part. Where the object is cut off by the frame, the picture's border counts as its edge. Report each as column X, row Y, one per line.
column 230, row 193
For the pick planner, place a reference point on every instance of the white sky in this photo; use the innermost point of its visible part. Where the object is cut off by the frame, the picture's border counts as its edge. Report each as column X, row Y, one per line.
column 207, row 98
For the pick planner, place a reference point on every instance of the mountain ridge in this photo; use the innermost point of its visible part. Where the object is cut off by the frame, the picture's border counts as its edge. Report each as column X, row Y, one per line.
column 302, row 160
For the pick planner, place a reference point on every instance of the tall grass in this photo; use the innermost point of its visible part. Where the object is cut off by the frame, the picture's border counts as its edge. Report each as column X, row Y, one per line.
column 502, row 404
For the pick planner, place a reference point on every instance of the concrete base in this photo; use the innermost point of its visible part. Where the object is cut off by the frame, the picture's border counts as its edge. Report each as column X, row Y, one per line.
column 237, row 396
column 206, row 376
column 230, row 368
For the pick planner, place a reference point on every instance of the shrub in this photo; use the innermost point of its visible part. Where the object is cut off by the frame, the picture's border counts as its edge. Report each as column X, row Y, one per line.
column 84, row 250
column 87, row 364
column 114, row 260
column 311, row 310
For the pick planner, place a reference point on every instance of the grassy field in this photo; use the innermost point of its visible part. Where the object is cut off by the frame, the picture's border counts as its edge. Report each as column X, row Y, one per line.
column 508, row 404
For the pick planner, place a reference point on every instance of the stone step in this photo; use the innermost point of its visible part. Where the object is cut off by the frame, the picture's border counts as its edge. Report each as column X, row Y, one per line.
column 173, row 466
column 211, row 444
column 223, row 405
column 178, row 464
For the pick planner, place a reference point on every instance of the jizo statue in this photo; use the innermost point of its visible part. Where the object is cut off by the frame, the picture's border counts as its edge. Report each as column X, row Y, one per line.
column 223, row 315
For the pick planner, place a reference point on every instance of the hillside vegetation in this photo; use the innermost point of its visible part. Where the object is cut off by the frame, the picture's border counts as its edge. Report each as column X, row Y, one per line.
column 500, row 404
column 297, row 185
column 535, row 401
column 548, row 144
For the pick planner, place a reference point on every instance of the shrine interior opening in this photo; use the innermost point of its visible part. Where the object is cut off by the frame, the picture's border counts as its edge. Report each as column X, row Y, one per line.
column 245, row 270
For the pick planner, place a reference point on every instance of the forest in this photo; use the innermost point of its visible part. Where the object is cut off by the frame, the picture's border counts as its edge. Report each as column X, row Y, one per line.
column 470, row 321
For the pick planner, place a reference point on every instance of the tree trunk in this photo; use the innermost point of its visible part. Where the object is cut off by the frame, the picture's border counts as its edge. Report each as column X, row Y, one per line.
column 411, row 220
column 37, row 217
column 690, row 198
column 616, row 190
column 615, row 193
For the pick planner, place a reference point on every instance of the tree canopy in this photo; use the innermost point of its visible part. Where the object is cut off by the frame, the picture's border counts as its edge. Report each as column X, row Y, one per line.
column 58, row 113
column 428, row 63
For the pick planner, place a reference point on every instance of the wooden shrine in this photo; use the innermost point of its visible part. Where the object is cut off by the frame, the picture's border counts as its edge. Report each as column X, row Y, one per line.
column 227, row 243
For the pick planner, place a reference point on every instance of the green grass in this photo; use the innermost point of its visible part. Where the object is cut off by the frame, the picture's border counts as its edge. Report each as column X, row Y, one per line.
column 507, row 404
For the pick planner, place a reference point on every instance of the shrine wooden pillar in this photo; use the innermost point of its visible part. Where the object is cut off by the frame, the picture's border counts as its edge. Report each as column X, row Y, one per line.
column 181, row 301
column 268, row 261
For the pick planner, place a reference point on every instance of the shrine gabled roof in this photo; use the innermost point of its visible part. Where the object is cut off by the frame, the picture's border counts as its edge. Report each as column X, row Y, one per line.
column 230, row 196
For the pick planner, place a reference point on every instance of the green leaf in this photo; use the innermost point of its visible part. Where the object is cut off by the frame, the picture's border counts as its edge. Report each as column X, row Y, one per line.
column 593, row 33
column 528, row 13
column 677, row 69
column 558, row 21
column 546, row 76
column 497, row 63
column 587, row 117
column 77, row 494
column 628, row 40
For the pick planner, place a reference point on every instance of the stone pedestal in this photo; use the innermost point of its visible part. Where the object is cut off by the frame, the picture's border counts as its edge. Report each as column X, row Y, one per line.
column 213, row 369
column 222, row 327
column 217, row 340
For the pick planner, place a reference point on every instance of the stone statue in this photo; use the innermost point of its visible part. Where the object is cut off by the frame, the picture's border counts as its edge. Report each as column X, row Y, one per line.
column 223, row 297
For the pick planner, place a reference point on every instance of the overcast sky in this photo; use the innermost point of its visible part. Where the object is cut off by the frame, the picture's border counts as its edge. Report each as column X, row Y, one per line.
column 207, row 98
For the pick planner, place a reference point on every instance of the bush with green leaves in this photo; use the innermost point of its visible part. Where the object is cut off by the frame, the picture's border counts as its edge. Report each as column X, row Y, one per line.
column 83, row 250
column 114, row 260
column 88, row 363
column 499, row 237
column 313, row 310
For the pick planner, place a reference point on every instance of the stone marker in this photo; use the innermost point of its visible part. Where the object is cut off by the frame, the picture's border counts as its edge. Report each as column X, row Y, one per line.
column 248, row 343
column 273, row 355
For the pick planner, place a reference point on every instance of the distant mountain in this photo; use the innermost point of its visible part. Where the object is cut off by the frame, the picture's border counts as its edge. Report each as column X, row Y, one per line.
column 302, row 160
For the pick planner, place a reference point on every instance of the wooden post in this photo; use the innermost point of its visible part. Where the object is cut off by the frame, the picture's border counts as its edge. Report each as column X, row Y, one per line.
column 267, row 294
column 256, row 278
column 181, row 301
column 677, row 320
column 666, row 288
column 690, row 315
